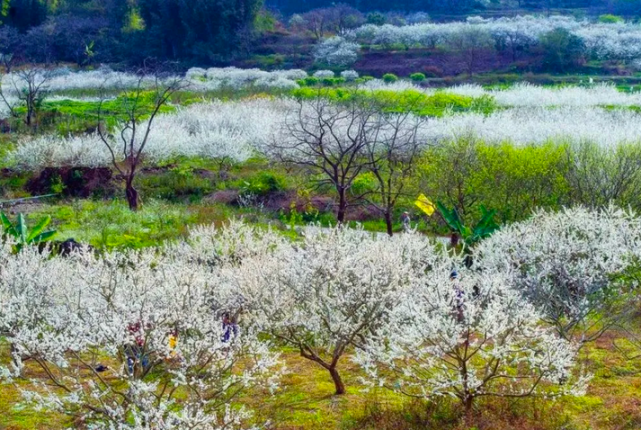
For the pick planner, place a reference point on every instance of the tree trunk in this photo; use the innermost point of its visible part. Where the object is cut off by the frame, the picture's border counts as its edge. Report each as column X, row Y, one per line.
column 342, row 207
column 388, row 223
column 132, row 196
column 29, row 119
column 338, row 382
column 467, row 403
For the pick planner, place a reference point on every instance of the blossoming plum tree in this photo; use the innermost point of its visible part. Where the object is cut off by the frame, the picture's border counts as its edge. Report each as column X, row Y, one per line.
column 468, row 336
column 571, row 265
column 332, row 291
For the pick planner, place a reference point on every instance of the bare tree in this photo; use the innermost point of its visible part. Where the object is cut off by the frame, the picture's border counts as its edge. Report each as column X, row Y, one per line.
column 126, row 140
column 600, row 176
column 28, row 88
column 392, row 153
column 319, row 21
column 6, row 60
column 330, row 139
column 470, row 43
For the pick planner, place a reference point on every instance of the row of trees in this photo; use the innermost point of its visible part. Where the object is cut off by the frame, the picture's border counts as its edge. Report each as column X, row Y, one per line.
column 118, row 348
column 458, row 7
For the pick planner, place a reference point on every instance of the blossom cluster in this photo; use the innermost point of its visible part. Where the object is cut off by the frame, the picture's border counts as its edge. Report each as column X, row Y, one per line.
column 235, row 78
column 336, row 51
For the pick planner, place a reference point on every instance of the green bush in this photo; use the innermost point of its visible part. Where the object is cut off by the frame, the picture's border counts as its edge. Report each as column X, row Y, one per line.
column 333, row 82
column 610, row 19
column 563, row 50
column 176, row 185
column 376, row 18
column 390, row 78
column 417, row 77
column 309, row 81
column 264, row 183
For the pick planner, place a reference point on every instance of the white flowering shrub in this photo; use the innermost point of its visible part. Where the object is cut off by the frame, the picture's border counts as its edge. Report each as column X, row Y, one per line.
column 468, row 336
column 523, row 126
column 323, row 74
column 199, row 79
column 235, row 78
column 349, row 75
column 528, row 95
column 134, row 340
column 336, row 51
column 571, row 265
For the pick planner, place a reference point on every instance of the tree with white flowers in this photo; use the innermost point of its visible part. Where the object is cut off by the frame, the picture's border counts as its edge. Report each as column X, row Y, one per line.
column 336, row 51
column 332, row 291
column 129, row 340
column 468, row 335
column 572, row 265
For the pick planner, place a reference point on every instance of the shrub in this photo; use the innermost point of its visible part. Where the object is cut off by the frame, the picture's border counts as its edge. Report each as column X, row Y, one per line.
column 332, row 82
column 610, row 19
column 417, row 77
column 309, row 81
column 322, row 74
column 376, row 18
column 390, row 78
column 563, row 50
column 349, row 75
column 264, row 183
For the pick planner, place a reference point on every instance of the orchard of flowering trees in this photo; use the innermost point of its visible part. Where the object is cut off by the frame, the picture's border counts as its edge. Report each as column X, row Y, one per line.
column 238, row 129
column 512, row 35
column 174, row 336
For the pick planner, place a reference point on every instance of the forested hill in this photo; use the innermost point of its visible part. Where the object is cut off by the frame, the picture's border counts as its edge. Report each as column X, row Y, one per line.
column 458, row 7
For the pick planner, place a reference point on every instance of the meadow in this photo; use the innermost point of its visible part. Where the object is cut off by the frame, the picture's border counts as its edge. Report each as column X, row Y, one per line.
column 247, row 252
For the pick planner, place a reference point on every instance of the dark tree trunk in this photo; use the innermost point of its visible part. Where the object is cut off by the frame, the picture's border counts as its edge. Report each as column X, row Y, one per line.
column 338, row 382
column 342, row 207
column 388, row 222
column 467, row 404
column 132, row 197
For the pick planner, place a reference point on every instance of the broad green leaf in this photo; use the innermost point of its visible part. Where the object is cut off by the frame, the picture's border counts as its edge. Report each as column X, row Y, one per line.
column 22, row 229
column 7, row 225
column 38, row 228
column 43, row 237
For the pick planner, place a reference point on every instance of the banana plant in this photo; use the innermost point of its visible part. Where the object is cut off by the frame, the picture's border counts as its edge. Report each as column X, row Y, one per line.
column 21, row 234
column 470, row 235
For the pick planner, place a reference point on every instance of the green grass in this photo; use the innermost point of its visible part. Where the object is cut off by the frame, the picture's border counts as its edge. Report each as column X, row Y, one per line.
column 413, row 101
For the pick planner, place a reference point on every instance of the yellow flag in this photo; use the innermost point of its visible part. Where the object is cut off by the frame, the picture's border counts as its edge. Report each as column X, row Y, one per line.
column 425, row 205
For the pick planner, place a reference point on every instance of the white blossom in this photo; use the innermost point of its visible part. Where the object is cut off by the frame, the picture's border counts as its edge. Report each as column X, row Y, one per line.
column 571, row 265
column 468, row 335
column 336, row 51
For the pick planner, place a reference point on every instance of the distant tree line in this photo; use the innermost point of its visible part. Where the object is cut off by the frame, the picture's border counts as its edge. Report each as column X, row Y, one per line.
column 131, row 31
column 457, row 7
